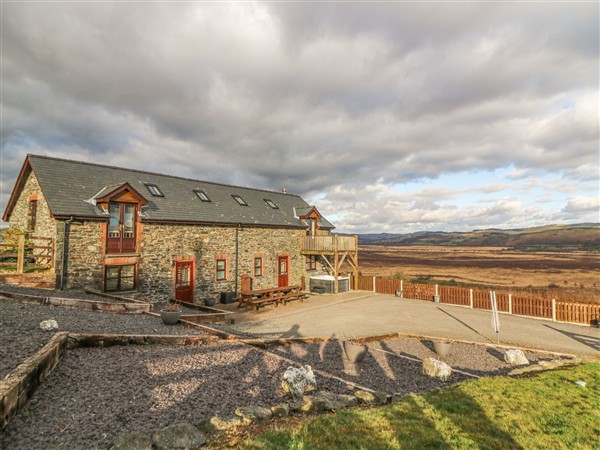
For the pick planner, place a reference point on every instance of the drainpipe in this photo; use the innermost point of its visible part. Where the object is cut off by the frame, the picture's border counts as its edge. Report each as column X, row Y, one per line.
column 64, row 252
column 237, row 256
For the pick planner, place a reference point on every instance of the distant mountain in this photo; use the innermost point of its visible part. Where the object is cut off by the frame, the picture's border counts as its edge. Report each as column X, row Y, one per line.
column 582, row 236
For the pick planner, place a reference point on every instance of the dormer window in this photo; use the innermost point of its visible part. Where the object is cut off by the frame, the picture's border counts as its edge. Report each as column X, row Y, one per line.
column 240, row 200
column 271, row 203
column 202, row 195
column 154, row 190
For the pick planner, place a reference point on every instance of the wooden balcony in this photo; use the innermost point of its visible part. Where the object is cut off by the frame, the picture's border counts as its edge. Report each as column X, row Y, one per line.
column 329, row 245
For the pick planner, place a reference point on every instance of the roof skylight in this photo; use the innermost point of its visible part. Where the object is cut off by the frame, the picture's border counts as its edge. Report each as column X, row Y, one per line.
column 154, row 190
column 202, row 195
column 240, row 200
column 271, row 203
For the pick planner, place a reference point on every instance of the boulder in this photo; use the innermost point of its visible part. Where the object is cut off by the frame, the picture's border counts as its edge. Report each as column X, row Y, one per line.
column 179, row 436
column 338, row 401
column 314, row 404
column 220, row 423
column 281, row 410
column 436, row 369
column 515, row 357
column 49, row 325
column 371, row 398
column 298, row 381
column 132, row 441
column 252, row 414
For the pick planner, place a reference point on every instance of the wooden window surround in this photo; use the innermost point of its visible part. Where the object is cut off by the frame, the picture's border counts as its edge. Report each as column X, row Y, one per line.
column 311, row 262
column 121, row 234
column 258, row 266
column 119, row 278
column 221, row 269
column 32, row 214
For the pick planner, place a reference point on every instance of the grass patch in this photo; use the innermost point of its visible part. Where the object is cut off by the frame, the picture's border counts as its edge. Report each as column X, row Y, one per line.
column 545, row 411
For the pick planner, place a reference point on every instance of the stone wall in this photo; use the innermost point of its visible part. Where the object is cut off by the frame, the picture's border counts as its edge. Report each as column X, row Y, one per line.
column 45, row 224
column 84, row 259
column 163, row 244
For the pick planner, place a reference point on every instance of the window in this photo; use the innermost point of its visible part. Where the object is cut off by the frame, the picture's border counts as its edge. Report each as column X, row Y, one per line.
column 154, row 190
column 202, row 195
column 121, row 228
column 119, row 278
column 311, row 262
column 271, row 203
column 240, row 200
column 221, row 269
column 258, row 266
column 32, row 215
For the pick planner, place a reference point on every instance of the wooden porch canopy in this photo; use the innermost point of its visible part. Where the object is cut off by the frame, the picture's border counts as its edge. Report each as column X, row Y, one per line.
column 338, row 248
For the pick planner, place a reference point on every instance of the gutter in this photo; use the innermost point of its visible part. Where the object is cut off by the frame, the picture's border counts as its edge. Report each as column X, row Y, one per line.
column 64, row 252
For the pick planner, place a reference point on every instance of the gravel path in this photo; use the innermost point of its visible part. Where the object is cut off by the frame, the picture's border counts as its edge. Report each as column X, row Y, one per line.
column 95, row 394
column 21, row 336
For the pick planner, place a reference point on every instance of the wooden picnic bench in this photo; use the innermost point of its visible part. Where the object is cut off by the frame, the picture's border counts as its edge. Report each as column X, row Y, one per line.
column 276, row 295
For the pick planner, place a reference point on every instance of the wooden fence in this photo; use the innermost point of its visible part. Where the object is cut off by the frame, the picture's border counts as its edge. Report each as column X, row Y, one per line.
column 518, row 303
column 33, row 252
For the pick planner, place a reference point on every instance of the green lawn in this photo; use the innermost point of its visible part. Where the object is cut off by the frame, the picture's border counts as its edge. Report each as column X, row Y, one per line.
column 546, row 411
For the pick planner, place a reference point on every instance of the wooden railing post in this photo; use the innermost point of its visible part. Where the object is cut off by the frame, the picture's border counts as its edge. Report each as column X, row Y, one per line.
column 553, row 310
column 510, row 303
column 471, row 298
column 374, row 284
column 21, row 254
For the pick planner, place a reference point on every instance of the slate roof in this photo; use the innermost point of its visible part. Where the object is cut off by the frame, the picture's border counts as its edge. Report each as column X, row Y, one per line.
column 69, row 185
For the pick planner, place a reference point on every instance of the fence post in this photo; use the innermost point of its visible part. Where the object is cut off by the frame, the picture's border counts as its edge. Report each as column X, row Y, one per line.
column 510, row 303
column 553, row 310
column 21, row 254
column 374, row 284
column 471, row 298
column 401, row 285
column 436, row 290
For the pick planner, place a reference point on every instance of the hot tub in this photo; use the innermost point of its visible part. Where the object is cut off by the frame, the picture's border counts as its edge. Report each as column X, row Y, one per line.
column 327, row 281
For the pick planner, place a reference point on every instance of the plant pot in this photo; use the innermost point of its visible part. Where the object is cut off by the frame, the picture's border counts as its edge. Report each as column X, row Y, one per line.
column 436, row 299
column 211, row 301
column 170, row 317
column 355, row 352
column 399, row 294
column 442, row 348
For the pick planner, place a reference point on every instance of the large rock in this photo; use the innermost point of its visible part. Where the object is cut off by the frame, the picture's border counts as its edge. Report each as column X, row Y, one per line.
column 298, row 381
column 371, row 398
column 220, row 423
column 252, row 414
column 436, row 369
column 314, row 404
column 179, row 436
column 281, row 410
column 338, row 401
column 49, row 325
column 132, row 441
column 516, row 357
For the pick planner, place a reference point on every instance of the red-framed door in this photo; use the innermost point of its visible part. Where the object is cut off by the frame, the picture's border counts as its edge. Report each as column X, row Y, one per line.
column 121, row 228
column 184, row 281
column 282, row 271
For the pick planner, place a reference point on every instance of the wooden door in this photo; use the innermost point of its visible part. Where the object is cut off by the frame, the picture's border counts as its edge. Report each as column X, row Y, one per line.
column 282, row 278
column 184, row 281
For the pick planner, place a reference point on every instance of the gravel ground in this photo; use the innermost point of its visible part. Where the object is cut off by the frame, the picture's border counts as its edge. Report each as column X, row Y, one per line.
column 95, row 394
column 20, row 334
column 55, row 293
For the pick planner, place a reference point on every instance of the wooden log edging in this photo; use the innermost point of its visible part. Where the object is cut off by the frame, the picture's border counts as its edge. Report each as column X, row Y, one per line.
column 18, row 387
column 115, row 297
column 80, row 340
column 89, row 305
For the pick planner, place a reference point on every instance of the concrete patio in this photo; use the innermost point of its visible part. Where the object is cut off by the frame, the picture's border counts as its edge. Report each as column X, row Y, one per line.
column 362, row 313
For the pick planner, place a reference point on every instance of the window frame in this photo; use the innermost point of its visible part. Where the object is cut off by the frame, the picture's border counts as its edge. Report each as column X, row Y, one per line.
column 119, row 277
column 32, row 215
column 154, row 190
column 202, row 195
column 240, row 201
column 260, row 266
column 224, row 270
column 271, row 203
column 311, row 262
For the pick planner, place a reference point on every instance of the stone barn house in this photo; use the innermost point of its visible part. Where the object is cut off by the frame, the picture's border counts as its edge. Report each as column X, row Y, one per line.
column 159, row 236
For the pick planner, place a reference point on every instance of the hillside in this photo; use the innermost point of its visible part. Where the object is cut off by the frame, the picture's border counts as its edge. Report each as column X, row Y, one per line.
column 577, row 237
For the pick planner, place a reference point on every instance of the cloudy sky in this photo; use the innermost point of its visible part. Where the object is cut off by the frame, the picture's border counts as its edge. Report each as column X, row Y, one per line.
column 391, row 117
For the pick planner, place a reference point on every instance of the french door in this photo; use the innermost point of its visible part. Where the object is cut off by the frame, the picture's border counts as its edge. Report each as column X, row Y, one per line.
column 121, row 228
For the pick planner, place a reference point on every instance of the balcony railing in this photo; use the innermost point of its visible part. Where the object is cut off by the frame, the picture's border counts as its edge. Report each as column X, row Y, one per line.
column 329, row 244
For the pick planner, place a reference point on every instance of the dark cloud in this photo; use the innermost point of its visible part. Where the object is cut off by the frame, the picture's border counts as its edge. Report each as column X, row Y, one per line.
column 320, row 98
